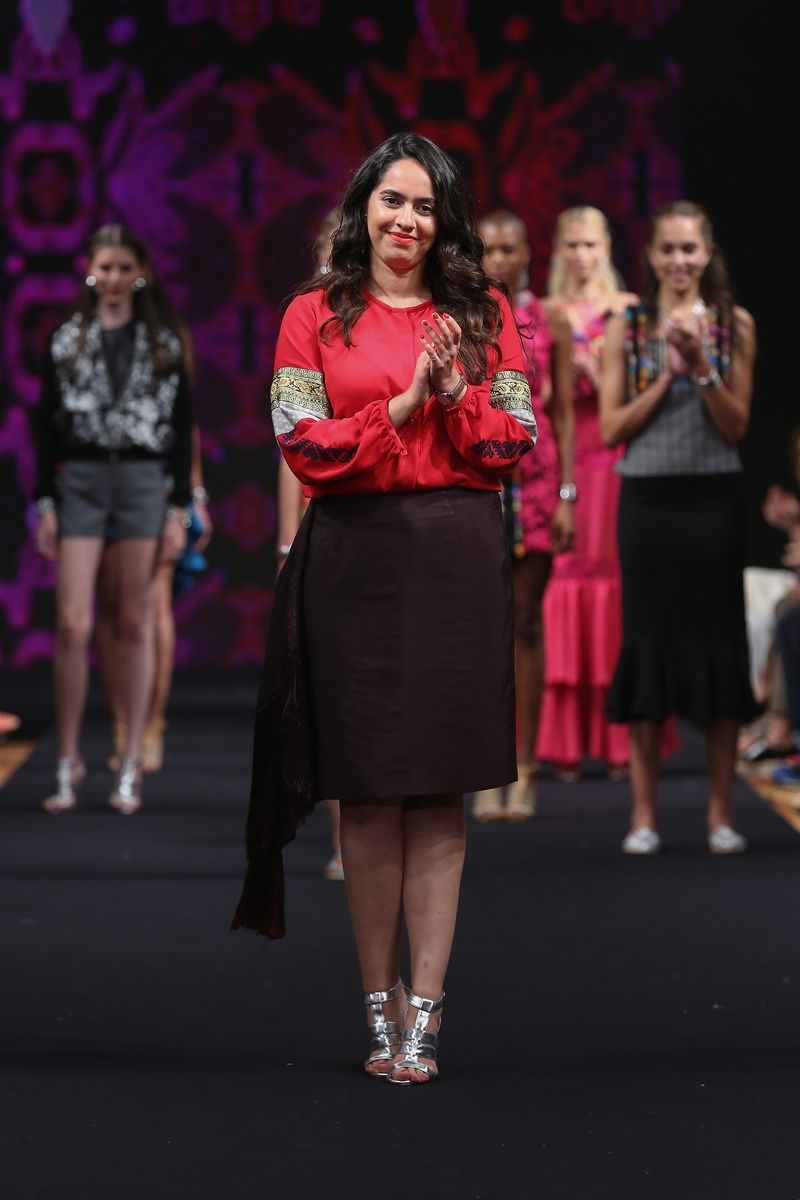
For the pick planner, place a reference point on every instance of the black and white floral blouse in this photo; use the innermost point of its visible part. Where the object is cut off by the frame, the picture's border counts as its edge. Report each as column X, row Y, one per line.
column 106, row 399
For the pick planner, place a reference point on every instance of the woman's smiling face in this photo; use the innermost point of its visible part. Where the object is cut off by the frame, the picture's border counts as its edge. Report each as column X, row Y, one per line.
column 401, row 216
column 678, row 253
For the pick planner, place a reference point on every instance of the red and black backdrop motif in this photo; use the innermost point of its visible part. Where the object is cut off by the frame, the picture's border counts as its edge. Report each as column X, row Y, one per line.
column 222, row 131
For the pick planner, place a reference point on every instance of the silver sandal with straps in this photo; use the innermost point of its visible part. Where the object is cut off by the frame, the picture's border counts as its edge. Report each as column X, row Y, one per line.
column 126, row 797
column 385, row 1040
column 69, row 773
column 417, row 1042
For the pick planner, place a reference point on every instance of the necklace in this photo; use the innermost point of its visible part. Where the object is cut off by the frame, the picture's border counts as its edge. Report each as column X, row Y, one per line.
column 698, row 310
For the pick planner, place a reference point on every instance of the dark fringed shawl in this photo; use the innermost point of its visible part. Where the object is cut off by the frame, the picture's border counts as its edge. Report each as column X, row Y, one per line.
column 285, row 785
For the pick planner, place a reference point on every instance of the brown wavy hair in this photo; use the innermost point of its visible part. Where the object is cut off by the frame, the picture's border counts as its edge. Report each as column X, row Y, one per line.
column 452, row 271
column 715, row 282
column 151, row 305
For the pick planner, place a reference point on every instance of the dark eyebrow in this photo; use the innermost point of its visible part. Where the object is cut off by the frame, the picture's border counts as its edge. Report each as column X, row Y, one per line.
column 400, row 196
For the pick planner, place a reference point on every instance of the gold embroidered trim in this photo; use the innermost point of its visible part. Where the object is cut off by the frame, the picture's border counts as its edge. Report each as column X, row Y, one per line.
column 300, row 388
column 509, row 391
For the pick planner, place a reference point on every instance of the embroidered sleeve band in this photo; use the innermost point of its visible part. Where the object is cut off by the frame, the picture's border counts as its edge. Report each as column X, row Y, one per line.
column 297, row 395
column 501, row 451
column 510, row 392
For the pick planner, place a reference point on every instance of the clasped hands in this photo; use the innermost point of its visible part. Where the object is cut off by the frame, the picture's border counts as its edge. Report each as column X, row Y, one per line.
column 688, row 344
column 436, row 365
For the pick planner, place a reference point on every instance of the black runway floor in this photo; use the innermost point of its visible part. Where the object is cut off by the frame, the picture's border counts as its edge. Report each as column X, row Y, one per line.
column 614, row 1029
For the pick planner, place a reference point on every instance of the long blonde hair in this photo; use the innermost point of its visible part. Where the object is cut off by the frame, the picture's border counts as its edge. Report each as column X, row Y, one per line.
column 608, row 281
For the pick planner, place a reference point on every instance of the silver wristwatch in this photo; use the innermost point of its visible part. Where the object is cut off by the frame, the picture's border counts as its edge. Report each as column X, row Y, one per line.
column 568, row 491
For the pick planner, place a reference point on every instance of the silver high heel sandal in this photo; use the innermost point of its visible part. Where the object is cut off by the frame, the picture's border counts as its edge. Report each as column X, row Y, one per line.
column 69, row 773
column 385, row 1040
column 417, row 1042
column 126, row 797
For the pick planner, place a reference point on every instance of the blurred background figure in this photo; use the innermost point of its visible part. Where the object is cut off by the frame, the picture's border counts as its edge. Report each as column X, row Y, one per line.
column 291, row 506
column 582, row 622
column 771, row 598
column 538, row 499
column 787, row 638
column 676, row 393
column 114, row 406
column 171, row 579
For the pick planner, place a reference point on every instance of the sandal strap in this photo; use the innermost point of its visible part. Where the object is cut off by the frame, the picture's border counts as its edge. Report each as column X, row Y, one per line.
column 407, row 1065
column 385, row 1038
column 425, row 1005
column 384, row 1043
column 382, row 997
column 64, row 768
column 418, row 1044
column 128, row 780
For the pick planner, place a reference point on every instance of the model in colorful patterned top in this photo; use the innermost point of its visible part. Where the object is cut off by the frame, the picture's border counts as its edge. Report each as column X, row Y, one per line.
column 677, row 386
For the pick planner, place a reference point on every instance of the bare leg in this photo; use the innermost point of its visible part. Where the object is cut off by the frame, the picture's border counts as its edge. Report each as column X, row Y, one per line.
column 779, row 732
column 435, row 841
column 164, row 644
column 372, row 852
column 137, row 565
column 645, row 744
column 530, row 580
column 721, row 740
column 105, row 633
column 78, row 561
column 335, row 818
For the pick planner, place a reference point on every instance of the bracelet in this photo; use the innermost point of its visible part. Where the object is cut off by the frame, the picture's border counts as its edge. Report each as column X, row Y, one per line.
column 45, row 505
column 200, row 495
column 569, row 492
column 712, row 380
column 174, row 513
column 283, row 551
column 452, row 397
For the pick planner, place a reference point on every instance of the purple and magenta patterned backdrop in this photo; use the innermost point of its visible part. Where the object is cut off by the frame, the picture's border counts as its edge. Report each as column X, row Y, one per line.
column 222, row 130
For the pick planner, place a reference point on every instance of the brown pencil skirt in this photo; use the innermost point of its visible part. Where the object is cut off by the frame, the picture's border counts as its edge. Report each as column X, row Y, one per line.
column 408, row 617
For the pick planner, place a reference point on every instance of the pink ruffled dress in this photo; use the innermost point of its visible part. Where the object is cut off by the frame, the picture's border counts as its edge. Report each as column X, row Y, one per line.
column 537, row 472
column 582, row 613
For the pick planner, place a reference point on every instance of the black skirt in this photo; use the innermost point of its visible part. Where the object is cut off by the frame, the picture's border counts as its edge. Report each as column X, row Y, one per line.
column 684, row 645
column 408, row 620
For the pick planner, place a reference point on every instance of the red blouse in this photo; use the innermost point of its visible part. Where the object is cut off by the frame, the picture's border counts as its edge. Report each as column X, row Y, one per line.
column 330, row 406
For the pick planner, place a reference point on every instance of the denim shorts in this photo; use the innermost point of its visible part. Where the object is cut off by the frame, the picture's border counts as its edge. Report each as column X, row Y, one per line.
column 95, row 496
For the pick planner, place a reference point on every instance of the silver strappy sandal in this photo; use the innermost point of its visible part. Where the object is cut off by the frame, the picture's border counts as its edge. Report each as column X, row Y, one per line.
column 417, row 1042
column 126, row 797
column 69, row 773
column 385, row 1040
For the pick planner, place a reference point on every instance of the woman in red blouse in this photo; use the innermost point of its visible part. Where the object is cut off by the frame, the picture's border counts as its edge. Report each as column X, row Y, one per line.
column 400, row 401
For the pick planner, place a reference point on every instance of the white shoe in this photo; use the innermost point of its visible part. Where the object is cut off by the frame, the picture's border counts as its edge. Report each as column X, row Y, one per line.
column 488, row 805
column 724, row 840
column 333, row 868
column 642, row 841
column 521, row 801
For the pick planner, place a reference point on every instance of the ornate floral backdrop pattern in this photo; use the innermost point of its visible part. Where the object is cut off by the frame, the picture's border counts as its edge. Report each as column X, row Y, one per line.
column 222, row 130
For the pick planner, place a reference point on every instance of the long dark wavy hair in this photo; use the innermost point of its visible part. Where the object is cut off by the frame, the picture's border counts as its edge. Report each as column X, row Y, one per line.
column 715, row 283
column 452, row 271
column 151, row 305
